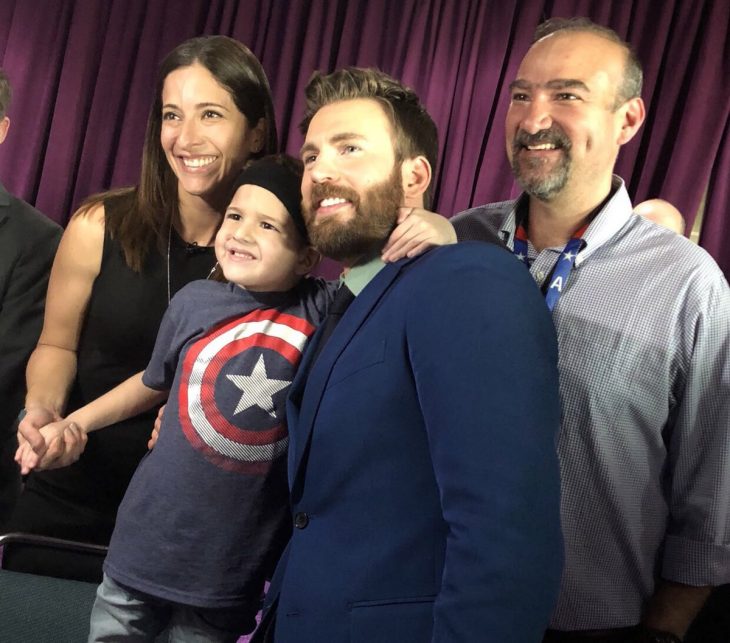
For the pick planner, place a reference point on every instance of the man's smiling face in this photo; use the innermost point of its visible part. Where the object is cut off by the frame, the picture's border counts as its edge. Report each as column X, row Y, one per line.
column 563, row 124
column 352, row 185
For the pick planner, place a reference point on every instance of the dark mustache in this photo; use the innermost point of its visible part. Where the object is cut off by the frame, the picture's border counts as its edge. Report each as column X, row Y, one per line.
column 552, row 135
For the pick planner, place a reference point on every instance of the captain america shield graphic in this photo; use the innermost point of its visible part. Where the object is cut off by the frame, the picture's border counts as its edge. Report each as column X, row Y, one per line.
column 234, row 385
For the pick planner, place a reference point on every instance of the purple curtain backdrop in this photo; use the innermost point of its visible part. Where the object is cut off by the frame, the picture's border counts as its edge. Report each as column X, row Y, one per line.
column 715, row 235
column 83, row 73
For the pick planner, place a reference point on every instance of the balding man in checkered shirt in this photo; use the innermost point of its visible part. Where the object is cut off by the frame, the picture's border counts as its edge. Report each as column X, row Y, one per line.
column 643, row 322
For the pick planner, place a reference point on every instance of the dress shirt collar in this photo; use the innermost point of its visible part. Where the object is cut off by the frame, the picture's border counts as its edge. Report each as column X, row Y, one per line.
column 358, row 277
column 611, row 218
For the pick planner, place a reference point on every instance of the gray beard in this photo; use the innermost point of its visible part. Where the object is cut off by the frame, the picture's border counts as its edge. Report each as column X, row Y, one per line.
column 545, row 188
column 527, row 171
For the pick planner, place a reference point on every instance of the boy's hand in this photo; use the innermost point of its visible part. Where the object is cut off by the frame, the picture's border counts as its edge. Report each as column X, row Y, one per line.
column 67, row 450
column 156, row 428
column 64, row 444
column 417, row 231
column 26, row 458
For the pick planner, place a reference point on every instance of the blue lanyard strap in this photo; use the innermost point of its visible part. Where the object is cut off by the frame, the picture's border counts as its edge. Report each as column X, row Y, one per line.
column 563, row 268
column 520, row 245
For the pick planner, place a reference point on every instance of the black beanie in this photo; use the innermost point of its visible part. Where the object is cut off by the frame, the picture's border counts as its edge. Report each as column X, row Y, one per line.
column 282, row 176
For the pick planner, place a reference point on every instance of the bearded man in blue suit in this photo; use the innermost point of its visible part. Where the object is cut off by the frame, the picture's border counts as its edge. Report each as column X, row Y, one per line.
column 424, row 484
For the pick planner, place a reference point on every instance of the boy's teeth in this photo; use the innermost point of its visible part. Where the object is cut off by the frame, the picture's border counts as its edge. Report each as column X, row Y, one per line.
column 238, row 253
column 325, row 203
column 199, row 162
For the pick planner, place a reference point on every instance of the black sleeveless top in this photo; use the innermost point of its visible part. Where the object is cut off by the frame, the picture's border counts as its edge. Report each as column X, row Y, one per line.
column 117, row 338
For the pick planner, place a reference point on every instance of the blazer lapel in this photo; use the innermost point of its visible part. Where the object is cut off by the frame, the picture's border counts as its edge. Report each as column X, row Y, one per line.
column 294, row 399
column 311, row 381
column 4, row 203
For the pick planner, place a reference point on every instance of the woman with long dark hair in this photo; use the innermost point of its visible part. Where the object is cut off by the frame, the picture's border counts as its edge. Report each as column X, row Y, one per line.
column 122, row 257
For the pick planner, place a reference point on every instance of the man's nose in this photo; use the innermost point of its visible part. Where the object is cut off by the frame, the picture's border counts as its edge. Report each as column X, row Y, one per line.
column 537, row 116
column 323, row 168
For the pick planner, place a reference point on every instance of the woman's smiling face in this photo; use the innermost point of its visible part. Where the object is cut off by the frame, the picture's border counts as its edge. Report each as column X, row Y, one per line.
column 205, row 138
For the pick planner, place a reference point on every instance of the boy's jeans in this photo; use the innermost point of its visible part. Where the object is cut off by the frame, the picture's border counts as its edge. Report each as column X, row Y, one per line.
column 123, row 614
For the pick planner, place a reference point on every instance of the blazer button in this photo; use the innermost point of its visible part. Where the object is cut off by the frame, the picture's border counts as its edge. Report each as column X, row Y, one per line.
column 301, row 520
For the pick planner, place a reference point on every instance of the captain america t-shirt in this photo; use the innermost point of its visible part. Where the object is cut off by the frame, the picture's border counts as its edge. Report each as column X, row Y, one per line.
column 206, row 514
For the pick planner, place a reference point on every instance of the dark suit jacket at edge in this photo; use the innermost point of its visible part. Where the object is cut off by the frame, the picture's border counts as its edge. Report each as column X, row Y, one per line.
column 28, row 242
column 423, row 454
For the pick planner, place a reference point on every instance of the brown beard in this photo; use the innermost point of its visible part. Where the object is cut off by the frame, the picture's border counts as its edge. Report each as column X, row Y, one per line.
column 364, row 234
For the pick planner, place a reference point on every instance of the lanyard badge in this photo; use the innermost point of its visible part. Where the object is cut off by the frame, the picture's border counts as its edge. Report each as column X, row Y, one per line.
column 563, row 267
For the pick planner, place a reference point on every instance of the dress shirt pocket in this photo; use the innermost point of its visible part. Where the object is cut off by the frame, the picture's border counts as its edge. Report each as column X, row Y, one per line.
column 394, row 619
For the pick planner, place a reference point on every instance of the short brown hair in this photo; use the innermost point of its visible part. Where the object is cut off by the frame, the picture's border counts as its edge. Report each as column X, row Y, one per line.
column 414, row 129
column 5, row 94
column 633, row 75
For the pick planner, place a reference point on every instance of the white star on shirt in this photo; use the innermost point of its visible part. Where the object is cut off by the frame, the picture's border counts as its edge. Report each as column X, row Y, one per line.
column 520, row 256
column 569, row 256
column 258, row 389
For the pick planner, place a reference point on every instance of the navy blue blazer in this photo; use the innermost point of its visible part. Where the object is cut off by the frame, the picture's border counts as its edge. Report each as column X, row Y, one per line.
column 423, row 474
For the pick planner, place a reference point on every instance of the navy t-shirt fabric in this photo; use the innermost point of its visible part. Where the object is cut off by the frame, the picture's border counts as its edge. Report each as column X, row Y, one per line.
column 206, row 515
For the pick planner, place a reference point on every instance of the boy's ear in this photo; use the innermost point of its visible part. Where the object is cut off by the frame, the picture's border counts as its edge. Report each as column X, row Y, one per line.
column 416, row 175
column 308, row 259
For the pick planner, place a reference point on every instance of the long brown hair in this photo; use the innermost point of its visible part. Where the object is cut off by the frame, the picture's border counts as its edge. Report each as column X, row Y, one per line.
column 154, row 202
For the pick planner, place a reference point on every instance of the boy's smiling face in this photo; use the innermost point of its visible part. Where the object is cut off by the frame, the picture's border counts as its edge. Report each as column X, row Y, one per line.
column 258, row 246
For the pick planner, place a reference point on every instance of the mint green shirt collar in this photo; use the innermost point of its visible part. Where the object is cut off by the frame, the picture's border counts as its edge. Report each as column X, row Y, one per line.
column 360, row 276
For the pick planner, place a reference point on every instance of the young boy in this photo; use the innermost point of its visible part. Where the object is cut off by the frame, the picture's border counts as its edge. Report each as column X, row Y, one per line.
column 206, row 516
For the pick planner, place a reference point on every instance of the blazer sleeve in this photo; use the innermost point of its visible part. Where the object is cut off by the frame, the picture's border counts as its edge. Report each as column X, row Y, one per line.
column 484, row 357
